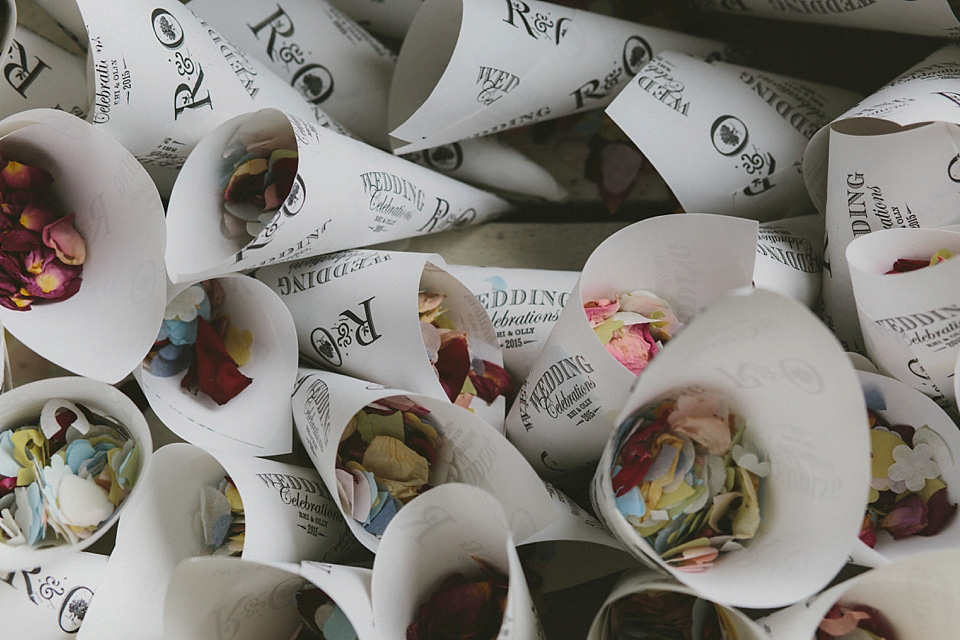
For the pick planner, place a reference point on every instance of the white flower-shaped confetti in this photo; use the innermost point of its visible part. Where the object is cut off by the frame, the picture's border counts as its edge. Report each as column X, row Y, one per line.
column 914, row 466
column 748, row 459
column 184, row 306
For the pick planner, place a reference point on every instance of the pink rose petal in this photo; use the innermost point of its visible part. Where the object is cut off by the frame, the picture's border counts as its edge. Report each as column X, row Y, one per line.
column 63, row 237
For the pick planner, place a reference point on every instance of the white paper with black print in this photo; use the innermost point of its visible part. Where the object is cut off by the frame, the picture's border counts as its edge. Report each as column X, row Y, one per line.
column 349, row 588
column 346, row 194
column 39, row 73
column 523, row 305
column 643, row 580
column 565, row 408
column 919, row 596
column 921, row 17
column 909, row 320
column 726, row 139
column 790, row 258
column 390, row 18
column 324, row 402
column 257, row 421
column 49, row 602
column 355, row 313
column 335, row 64
column 470, row 68
column 120, row 217
column 436, row 535
column 783, row 372
column 231, row 599
column 162, row 79
column 288, row 514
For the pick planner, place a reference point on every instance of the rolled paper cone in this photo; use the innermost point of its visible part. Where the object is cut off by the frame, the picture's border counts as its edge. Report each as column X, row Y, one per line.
column 162, row 529
column 346, row 194
column 893, row 163
column 349, row 588
column 334, row 63
column 909, row 320
column 935, row 18
column 40, row 74
column 437, row 535
column 910, row 407
column 213, row 597
column 390, row 18
column 641, row 581
column 324, row 402
column 574, row 549
column 120, row 217
column 725, row 138
column 919, row 596
column 862, row 363
column 470, row 68
column 257, row 421
column 49, row 602
column 564, row 412
column 523, row 305
column 23, row 404
column 356, row 313
column 162, row 79
column 783, row 372
column 790, row 258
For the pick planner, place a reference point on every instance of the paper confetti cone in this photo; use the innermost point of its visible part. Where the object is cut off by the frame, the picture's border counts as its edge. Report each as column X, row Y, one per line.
column 390, row 18
column 640, row 582
column 40, row 74
column 726, row 139
column 523, row 305
column 345, row 194
column 356, row 313
column 790, row 258
column 475, row 67
column 324, row 403
column 120, row 217
column 907, row 318
column 782, row 372
column 24, row 404
column 902, row 405
column 287, row 511
column 435, row 536
column 889, row 162
column 256, row 421
column 564, row 412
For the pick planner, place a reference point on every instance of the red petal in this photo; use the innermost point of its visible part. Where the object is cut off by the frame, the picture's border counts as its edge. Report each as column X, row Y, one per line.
column 24, row 176
column 453, row 365
column 904, row 265
column 217, row 375
column 493, row 383
column 21, row 241
column 939, row 513
column 868, row 533
column 907, row 518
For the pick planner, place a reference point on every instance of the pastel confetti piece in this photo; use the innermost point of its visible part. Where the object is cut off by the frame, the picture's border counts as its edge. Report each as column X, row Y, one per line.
column 82, row 503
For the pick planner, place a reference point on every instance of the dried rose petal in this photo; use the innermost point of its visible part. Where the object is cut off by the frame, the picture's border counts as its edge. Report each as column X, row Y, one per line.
column 36, row 215
column 453, row 365
column 599, row 310
column 23, row 176
column 21, row 241
column 213, row 371
column 56, row 281
column 246, row 182
column 633, row 347
column 908, row 517
column 939, row 513
column 462, row 609
column 63, row 237
column 493, row 383
column 868, row 533
column 37, row 260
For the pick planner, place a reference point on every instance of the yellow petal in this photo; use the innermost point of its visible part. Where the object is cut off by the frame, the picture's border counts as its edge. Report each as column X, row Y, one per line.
column 237, row 343
column 882, row 444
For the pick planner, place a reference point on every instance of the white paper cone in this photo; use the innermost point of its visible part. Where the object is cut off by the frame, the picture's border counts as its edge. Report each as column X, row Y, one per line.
column 161, row 530
column 49, row 602
column 342, row 198
column 907, row 406
column 257, row 421
column 435, row 536
column 356, row 313
column 333, row 62
column 40, row 74
column 790, row 258
column 907, row 318
column 349, row 588
column 564, row 412
column 640, row 581
column 919, row 596
column 523, row 305
column 726, row 139
column 162, row 79
column 390, row 18
column 537, row 60
column 324, row 402
column 925, row 17
column 782, row 371
column 120, row 217
column 67, row 15
column 574, row 549
column 216, row 597
column 862, row 363
column 24, row 404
